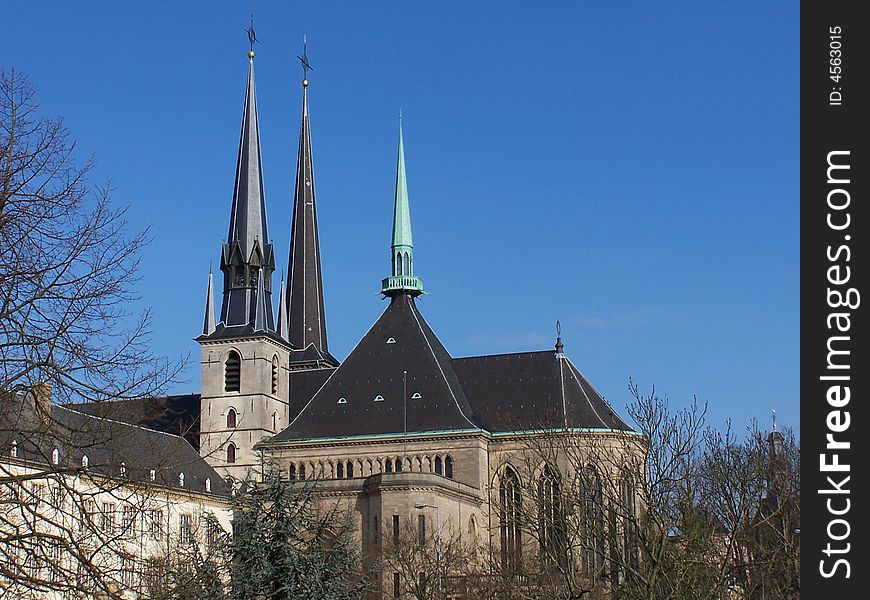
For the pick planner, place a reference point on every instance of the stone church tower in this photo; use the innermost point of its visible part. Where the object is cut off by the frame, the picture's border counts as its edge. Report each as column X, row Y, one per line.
column 247, row 357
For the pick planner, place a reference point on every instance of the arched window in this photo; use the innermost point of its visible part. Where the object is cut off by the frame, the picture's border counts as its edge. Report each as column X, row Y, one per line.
column 231, row 418
column 231, row 453
column 291, row 472
column 399, row 465
column 349, row 470
column 448, row 467
column 84, row 461
column 552, row 530
column 181, row 479
column 55, row 456
column 208, row 484
column 274, row 377
column 233, row 372
column 592, row 523
column 438, row 469
column 13, row 452
column 339, row 471
column 301, row 471
column 628, row 499
column 388, row 466
column 510, row 513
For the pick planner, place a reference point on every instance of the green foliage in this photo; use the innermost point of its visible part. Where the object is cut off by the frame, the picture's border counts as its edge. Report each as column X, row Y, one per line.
column 283, row 547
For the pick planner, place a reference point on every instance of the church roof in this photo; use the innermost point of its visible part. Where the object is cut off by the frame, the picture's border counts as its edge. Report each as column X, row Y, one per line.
column 398, row 378
column 533, row 390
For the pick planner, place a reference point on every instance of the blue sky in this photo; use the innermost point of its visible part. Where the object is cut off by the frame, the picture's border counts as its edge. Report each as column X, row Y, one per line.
column 629, row 169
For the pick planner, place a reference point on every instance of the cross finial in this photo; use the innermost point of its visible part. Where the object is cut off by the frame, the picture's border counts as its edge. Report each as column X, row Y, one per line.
column 306, row 66
column 252, row 37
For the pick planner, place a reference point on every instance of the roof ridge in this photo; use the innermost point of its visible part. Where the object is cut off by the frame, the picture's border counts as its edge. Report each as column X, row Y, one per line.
column 504, row 354
column 84, row 414
column 441, row 368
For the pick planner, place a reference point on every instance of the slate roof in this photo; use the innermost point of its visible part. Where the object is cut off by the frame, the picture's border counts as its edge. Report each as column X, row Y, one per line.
column 178, row 415
column 500, row 393
column 533, row 390
column 365, row 394
column 108, row 444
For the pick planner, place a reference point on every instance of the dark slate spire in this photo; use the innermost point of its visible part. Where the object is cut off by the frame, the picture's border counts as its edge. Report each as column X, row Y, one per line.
column 248, row 260
column 305, row 314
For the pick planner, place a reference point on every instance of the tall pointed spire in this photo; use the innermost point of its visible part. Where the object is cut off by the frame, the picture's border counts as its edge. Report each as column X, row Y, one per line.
column 306, row 319
column 282, row 313
column 248, row 256
column 402, row 280
column 208, row 323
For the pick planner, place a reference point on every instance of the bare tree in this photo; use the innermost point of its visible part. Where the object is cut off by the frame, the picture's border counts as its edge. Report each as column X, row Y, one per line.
column 675, row 510
column 69, row 506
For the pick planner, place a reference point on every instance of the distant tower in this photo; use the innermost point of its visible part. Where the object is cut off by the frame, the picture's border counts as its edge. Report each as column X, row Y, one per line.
column 244, row 360
column 401, row 279
column 306, row 317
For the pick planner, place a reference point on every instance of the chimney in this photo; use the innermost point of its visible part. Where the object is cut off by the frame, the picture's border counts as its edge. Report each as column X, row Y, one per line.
column 41, row 394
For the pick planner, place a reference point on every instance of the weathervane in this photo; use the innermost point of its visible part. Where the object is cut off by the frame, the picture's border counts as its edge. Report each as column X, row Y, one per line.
column 252, row 36
column 306, row 66
column 559, row 345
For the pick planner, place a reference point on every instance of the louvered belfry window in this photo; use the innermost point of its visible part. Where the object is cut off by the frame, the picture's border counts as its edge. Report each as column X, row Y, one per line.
column 233, row 372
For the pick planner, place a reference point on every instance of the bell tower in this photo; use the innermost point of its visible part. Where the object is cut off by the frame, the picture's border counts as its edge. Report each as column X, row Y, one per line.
column 245, row 360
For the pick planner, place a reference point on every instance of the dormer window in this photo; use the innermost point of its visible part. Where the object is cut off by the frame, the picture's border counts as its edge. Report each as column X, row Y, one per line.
column 152, row 475
column 55, row 457
column 13, row 451
column 84, row 461
column 181, row 479
column 208, row 484
column 123, row 470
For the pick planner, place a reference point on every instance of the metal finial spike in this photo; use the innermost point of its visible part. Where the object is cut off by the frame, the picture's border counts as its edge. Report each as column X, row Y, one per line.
column 306, row 66
column 558, row 328
column 773, row 416
column 252, row 37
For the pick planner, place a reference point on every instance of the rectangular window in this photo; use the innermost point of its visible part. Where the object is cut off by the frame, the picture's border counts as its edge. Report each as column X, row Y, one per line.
column 107, row 518
column 186, row 528
column 88, row 514
column 396, row 529
column 127, row 570
column 156, row 524
column 397, row 587
column 421, row 529
column 128, row 519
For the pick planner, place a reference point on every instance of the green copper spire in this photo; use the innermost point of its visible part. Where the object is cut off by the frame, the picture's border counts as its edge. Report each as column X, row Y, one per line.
column 402, row 280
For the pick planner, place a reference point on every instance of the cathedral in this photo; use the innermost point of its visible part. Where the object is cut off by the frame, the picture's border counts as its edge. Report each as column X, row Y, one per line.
column 399, row 429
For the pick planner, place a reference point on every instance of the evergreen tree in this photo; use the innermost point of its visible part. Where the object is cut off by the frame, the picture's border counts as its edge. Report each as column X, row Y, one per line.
column 282, row 547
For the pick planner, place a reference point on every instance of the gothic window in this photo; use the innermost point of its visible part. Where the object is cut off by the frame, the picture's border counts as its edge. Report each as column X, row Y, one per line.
column 438, row 469
column 291, row 472
column 233, row 372
column 275, row 375
column 399, row 465
column 231, row 453
column 421, row 529
column 388, row 466
column 239, row 279
column 448, row 467
column 301, row 471
column 592, row 523
column 510, row 512
column 552, row 531
column 254, row 273
column 349, row 470
column 628, row 498
column 231, row 418
column 339, row 471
